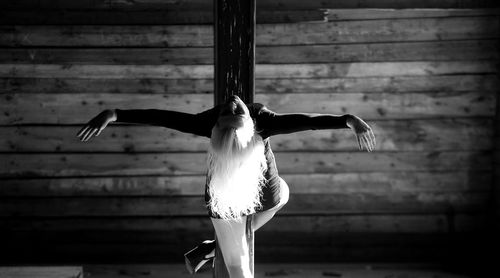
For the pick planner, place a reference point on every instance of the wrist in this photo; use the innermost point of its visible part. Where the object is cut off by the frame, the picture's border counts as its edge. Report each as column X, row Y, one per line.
column 112, row 115
column 349, row 120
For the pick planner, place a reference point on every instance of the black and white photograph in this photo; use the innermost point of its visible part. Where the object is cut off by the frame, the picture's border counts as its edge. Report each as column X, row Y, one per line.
column 249, row 138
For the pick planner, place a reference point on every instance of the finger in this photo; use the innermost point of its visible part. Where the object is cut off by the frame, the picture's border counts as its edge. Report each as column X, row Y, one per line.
column 359, row 142
column 84, row 134
column 372, row 135
column 374, row 142
column 363, row 142
column 366, row 142
column 369, row 141
column 92, row 133
column 100, row 130
column 84, row 128
column 89, row 134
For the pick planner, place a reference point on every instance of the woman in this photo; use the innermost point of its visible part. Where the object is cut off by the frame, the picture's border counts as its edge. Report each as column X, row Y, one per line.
column 242, row 177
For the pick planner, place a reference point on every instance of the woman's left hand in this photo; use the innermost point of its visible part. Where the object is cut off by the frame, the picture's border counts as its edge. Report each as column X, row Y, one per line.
column 363, row 131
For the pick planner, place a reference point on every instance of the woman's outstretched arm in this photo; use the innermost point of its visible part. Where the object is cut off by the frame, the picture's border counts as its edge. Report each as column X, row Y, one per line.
column 200, row 124
column 276, row 123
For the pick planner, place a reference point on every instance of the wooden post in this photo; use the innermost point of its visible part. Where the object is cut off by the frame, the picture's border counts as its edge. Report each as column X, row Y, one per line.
column 234, row 54
column 234, row 31
column 496, row 168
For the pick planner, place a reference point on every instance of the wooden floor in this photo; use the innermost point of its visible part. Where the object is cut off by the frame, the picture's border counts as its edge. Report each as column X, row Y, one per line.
column 277, row 270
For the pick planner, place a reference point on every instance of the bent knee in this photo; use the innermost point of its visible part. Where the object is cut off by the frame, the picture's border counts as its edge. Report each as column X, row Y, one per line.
column 284, row 193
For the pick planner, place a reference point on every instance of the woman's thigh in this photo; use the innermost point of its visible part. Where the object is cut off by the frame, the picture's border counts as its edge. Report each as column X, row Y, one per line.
column 262, row 217
column 283, row 196
column 233, row 244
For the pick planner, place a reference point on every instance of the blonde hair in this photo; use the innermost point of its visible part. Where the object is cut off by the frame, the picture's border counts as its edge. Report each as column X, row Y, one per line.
column 236, row 165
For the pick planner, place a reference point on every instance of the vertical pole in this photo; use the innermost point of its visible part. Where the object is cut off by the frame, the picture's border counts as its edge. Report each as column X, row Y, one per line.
column 234, row 63
column 250, row 241
column 234, row 32
column 496, row 169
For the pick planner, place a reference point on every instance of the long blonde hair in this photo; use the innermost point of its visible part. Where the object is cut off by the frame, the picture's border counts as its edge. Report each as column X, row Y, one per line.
column 236, row 165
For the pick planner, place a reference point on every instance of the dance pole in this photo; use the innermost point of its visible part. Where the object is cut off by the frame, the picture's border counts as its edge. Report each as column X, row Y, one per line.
column 234, row 61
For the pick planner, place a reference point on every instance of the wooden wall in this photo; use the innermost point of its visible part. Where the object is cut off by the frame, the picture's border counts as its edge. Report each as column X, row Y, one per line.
column 426, row 80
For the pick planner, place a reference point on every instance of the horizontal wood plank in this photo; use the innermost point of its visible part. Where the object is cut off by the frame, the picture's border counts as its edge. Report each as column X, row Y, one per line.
column 398, row 135
column 28, row 16
column 42, row 271
column 273, row 5
column 392, row 12
column 391, row 223
column 337, row 183
column 149, row 17
column 392, row 30
column 324, row 229
column 54, row 108
column 424, row 29
column 299, row 204
column 61, row 108
column 394, row 84
column 67, row 165
column 80, row 108
column 315, row 238
column 329, row 53
column 292, row 270
column 143, row 254
column 322, row 70
column 375, row 106
column 117, row 86
column 327, row 70
column 355, row 247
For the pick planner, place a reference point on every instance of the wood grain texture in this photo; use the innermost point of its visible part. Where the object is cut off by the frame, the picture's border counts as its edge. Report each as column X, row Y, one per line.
column 273, row 5
column 292, row 270
column 496, row 166
column 299, row 204
column 424, row 29
column 90, row 165
column 151, row 17
column 321, row 70
column 375, row 106
column 430, row 248
column 61, row 108
column 148, row 17
column 393, row 12
column 194, row 185
column 287, row 54
column 396, row 84
column 171, row 226
column 425, row 80
column 392, row 135
column 42, row 271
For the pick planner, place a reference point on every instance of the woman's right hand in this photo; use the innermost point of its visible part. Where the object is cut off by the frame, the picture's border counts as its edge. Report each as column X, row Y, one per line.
column 363, row 131
column 96, row 125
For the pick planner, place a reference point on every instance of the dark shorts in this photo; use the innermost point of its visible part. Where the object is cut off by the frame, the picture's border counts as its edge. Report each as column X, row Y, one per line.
column 275, row 193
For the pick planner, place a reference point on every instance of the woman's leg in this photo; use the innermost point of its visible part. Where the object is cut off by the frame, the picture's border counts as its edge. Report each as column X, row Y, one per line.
column 233, row 244
column 259, row 220
column 263, row 217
